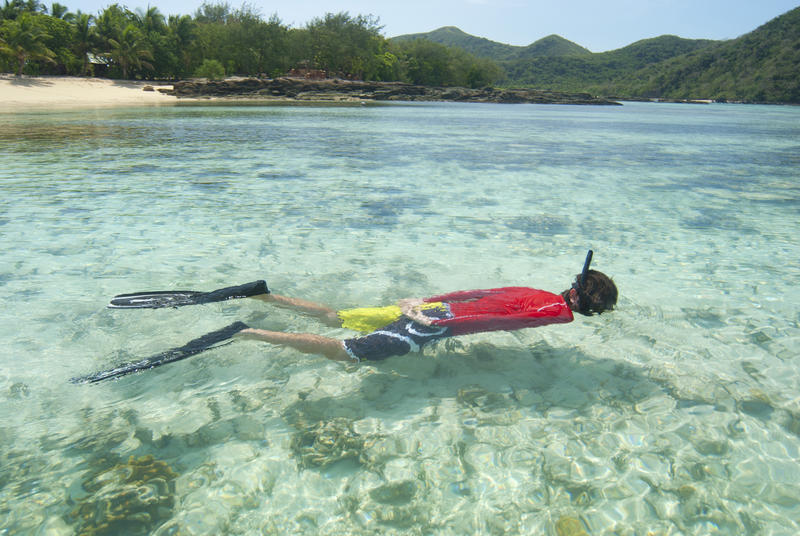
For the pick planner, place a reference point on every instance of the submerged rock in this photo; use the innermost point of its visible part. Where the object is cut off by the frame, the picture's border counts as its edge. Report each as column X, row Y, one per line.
column 475, row 396
column 570, row 526
column 401, row 492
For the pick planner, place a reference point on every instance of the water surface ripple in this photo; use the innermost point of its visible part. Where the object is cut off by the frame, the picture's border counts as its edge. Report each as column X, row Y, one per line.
column 676, row 414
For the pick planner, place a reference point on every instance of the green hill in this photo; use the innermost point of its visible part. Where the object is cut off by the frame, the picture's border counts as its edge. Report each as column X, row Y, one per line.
column 648, row 51
column 553, row 46
column 581, row 73
column 451, row 36
column 761, row 66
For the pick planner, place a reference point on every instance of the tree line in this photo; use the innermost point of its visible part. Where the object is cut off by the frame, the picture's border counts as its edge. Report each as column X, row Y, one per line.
column 218, row 41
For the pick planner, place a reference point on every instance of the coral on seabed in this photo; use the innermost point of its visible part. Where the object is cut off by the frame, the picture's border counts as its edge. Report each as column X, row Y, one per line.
column 570, row 526
column 327, row 442
column 127, row 498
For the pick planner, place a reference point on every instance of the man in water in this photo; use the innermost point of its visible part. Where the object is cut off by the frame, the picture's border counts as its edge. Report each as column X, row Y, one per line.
column 415, row 322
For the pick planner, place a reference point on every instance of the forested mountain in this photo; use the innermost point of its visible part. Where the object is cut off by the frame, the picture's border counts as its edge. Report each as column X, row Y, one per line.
column 761, row 66
column 558, row 64
column 552, row 46
column 590, row 71
column 451, row 36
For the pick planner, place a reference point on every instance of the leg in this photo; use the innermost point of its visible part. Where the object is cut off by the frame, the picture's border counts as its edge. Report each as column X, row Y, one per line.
column 317, row 310
column 303, row 342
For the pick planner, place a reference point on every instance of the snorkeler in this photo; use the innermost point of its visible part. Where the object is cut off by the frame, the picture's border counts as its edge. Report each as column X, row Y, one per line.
column 406, row 327
column 388, row 331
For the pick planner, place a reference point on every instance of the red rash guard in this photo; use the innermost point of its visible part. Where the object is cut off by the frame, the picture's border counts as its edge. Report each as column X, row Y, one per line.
column 506, row 309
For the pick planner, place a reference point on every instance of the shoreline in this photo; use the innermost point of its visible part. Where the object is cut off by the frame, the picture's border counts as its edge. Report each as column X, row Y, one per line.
column 46, row 93
column 43, row 93
column 340, row 90
column 33, row 93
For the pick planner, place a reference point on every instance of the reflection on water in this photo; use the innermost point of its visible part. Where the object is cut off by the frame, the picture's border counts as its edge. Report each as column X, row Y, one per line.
column 677, row 413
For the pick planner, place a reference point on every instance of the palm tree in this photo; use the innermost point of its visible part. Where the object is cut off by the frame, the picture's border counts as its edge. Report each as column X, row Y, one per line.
column 110, row 23
column 84, row 38
column 10, row 10
column 152, row 21
column 34, row 6
column 181, row 30
column 130, row 50
column 59, row 11
column 23, row 39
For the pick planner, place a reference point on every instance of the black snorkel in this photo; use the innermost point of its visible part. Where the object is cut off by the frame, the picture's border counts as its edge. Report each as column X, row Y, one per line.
column 580, row 285
column 584, row 273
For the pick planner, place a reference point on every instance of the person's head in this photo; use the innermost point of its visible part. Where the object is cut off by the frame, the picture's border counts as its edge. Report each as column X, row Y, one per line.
column 597, row 293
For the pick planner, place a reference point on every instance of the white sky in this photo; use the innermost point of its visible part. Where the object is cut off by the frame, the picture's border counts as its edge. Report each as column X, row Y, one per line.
column 594, row 24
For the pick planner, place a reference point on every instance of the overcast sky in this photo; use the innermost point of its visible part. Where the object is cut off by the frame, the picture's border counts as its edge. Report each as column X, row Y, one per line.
column 594, row 24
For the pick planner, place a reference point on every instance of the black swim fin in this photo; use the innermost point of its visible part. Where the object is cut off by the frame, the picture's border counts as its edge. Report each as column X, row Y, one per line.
column 177, row 298
column 193, row 347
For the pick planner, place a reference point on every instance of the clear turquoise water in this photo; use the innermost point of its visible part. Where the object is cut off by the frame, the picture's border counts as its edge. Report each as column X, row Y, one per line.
column 676, row 414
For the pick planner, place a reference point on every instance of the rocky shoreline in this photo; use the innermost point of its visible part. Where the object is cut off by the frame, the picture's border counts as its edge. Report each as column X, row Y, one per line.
column 336, row 90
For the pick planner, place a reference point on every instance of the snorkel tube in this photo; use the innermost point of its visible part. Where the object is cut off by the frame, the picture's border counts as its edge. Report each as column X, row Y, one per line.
column 580, row 284
column 585, row 272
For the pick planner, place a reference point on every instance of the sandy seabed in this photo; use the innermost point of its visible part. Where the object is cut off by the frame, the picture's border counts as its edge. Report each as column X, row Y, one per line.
column 43, row 92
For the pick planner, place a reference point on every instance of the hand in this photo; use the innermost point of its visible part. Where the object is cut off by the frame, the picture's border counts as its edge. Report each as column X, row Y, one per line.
column 412, row 308
column 407, row 305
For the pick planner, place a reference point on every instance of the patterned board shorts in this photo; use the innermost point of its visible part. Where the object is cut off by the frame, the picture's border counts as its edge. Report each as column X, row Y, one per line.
column 398, row 338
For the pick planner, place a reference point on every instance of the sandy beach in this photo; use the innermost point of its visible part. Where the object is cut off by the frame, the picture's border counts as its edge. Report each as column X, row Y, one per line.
column 44, row 92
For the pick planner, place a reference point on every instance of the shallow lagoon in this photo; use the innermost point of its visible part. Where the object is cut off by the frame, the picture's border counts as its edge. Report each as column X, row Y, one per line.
column 676, row 414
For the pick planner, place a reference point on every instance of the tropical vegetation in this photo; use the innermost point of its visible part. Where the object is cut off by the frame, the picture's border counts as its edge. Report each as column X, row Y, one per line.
column 218, row 41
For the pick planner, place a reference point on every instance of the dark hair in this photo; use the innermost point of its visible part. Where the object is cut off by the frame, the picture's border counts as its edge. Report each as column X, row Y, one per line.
column 597, row 294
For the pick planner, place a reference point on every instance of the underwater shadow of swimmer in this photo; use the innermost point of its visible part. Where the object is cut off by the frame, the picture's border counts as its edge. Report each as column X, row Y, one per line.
column 481, row 377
